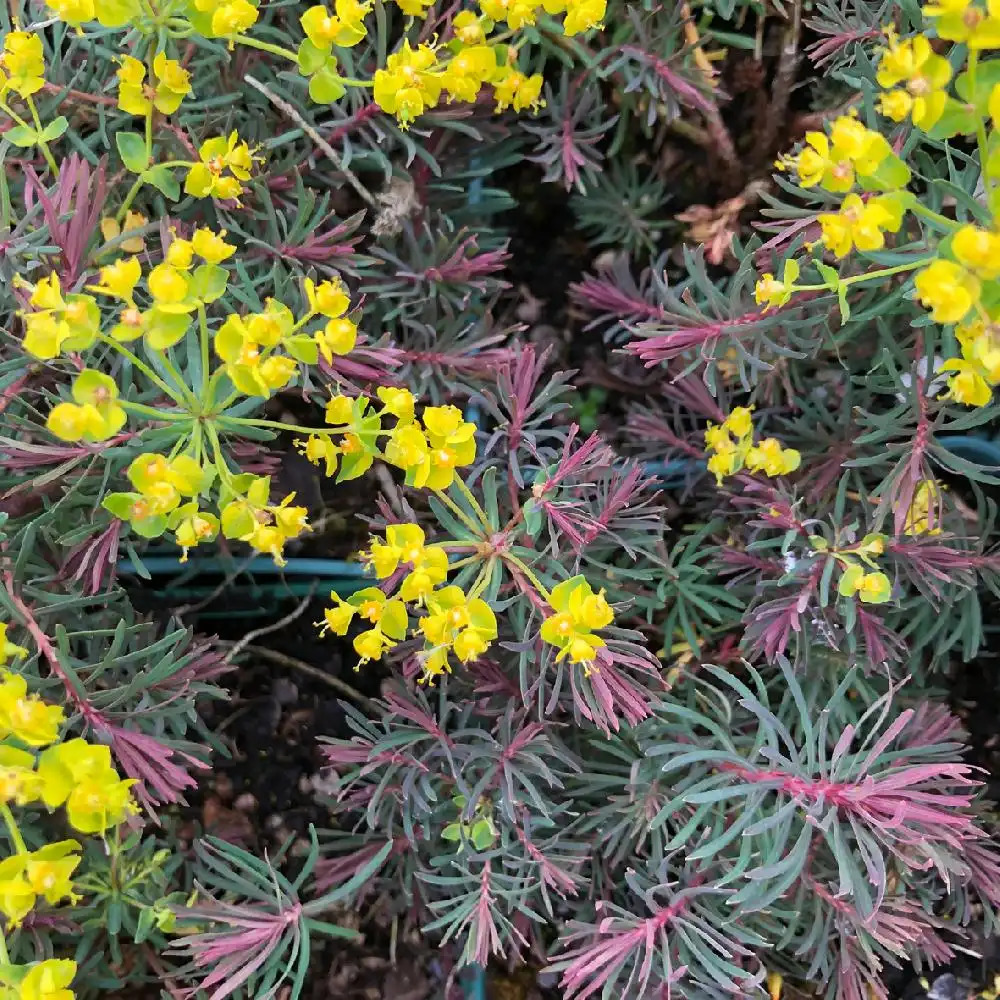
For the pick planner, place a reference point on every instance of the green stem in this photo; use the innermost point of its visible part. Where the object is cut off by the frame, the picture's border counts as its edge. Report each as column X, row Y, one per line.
column 476, row 529
column 950, row 225
column 15, row 834
column 44, row 146
column 483, row 578
column 884, row 272
column 277, row 424
column 152, row 411
column 129, row 198
column 256, row 43
column 149, row 134
column 182, row 385
column 4, row 954
column 203, row 338
column 351, row 82
column 143, row 367
column 528, row 572
column 474, row 503
column 220, row 463
column 981, row 139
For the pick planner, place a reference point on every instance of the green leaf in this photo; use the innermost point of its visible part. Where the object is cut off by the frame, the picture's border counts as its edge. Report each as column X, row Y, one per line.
column 845, row 308
column 22, row 136
column 311, row 57
column 162, row 178
column 303, row 348
column 325, row 86
column 482, row 835
column 453, row 831
column 208, row 282
column 892, row 173
column 956, row 119
column 54, row 129
column 829, row 274
column 987, row 76
column 132, row 150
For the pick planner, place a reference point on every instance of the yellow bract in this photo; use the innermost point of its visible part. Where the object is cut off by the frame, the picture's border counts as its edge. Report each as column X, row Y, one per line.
column 578, row 613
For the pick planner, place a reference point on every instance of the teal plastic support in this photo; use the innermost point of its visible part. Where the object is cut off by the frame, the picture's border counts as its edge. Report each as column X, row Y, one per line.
column 474, row 983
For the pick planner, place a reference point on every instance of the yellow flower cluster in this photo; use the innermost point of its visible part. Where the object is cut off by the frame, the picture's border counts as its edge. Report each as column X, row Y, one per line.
column 75, row 773
column 162, row 485
column 733, row 449
column 863, row 579
column 581, row 15
column 924, row 514
column 577, row 613
column 428, row 449
column 47, row 980
column 861, row 223
column 224, row 164
column 414, row 79
column 36, row 768
column 22, row 66
column 851, row 154
column 452, row 621
column 165, row 91
column 924, row 77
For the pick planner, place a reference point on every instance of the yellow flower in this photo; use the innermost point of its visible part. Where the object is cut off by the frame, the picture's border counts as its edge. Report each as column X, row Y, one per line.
column 209, row 178
column 80, row 775
column 415, row 8
column 451, row 443
column 230, row 19
column 739, row 421
column 769, row 457
column 398, row 402
column 872, row 588
column 22, row 66
column 172, row 82
column 110, row 229
column 517, row 13
column 8, row 648
column 581, row 15
column 833, row 162
column 244, row 345
column 192, row 526
column 18, row 781
column 73, row 12
column 925, row 75
column 16, row 897
column 95, row 414
column 453, row 621
column 947, row 289
column 343, row 29
column 404, row 545
column 578, row 613
column 119, row 279
column 328, row 298
column 408, row 85
column 979, row 250
column 132, row 97
column 468, row 70
column 48, row 870
column 964, row 21
column 513, row 89
column 58, row 324
column 978, row 370
column 388, row 618
column 924, row 514
column 861, row 224
column 320, row 449
column 49, row 980
column 468, row 28
column 211, row 247
column 770, row 293
column 26, row 717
